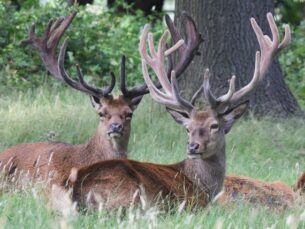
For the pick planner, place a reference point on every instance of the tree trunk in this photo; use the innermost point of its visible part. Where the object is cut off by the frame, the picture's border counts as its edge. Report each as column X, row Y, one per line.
column 229, row 48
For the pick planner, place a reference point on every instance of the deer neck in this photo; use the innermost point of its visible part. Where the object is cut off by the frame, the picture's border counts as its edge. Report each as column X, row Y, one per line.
column 102, row 147
column 208, row 174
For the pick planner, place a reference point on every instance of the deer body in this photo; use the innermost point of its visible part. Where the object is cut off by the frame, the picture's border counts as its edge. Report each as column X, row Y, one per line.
column 252, row 191
column 118, row 183
column 58, row 158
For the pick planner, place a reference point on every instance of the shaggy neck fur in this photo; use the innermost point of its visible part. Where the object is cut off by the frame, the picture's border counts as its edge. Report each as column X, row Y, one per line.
column 208, row 173
column 102, row 147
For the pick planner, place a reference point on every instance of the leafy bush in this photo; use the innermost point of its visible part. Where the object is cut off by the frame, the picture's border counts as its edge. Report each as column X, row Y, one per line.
column 293, row 63
column 98, row 39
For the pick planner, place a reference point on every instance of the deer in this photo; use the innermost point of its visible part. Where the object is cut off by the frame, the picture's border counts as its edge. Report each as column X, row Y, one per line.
column 198, row 178
column 54, row 160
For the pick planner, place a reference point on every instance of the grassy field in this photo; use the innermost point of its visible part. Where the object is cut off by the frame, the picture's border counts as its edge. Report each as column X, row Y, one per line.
column 265, row 149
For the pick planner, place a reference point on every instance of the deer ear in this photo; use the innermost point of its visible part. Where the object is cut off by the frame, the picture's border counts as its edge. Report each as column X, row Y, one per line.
column 180, row 117
column 95, row 102
column 231, row 115
column 135, row 102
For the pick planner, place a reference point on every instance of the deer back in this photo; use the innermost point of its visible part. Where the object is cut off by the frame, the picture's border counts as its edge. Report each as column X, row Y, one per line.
column 241, row 189
column 124, row 183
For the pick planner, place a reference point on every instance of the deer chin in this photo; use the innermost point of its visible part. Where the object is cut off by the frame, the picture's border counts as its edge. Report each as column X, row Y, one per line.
column 194, row 155
column 114, row 135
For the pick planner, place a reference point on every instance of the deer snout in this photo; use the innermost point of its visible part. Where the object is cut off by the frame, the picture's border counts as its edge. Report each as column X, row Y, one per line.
column 116, row 127
column 193, row 148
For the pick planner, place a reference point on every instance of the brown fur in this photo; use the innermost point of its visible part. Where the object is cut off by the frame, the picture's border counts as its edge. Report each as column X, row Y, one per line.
column 121, row 183
column 54, row 160
column 248, row 190
column 300, row 185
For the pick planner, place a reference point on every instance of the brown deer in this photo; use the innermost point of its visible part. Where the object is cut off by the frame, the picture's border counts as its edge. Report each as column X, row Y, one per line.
column 240, row 189
column 54, row 160
column 118, row 183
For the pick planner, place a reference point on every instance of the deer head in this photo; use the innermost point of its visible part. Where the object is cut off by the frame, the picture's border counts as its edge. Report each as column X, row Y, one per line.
column 207, row 128
column 115, row 112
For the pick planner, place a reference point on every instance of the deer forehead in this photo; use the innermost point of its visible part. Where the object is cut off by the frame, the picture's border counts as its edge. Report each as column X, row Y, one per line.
column 115, row 105
column 203, row 118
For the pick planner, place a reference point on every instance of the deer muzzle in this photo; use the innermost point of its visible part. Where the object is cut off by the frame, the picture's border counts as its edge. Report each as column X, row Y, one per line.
column 115, row 130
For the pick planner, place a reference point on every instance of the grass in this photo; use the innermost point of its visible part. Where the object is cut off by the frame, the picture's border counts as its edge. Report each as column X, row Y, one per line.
column 265, row 149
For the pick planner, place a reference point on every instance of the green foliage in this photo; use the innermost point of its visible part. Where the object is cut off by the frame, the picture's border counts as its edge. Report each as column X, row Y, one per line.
column 290, row 11
column 293, row 63
column 98, row 38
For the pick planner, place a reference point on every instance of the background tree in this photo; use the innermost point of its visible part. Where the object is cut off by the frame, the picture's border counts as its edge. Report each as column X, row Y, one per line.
column 229, row 48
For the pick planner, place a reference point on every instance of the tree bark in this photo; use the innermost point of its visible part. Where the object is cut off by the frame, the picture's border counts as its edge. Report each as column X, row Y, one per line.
column 229, row 48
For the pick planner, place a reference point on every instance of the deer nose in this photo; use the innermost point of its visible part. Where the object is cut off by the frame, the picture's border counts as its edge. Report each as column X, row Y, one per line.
column 193, row 147
column 116, row 127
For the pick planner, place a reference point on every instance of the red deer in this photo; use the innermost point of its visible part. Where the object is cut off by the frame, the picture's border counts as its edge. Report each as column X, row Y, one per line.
column 112, row 135
column 239, row 189
column 118, row 183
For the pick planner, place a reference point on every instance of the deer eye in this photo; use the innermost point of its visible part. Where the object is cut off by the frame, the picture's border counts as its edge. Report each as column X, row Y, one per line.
column 101, row 114
column 187, row 130
column 129, row 116
column 214, row 126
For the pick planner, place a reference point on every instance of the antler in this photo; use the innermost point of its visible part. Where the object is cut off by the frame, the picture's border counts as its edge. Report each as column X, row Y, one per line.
column 46, row 47
column 269, row 48
column 81, row 85
column 170, row 97
column 189, row 49
column 46, row 44
column 186, row 53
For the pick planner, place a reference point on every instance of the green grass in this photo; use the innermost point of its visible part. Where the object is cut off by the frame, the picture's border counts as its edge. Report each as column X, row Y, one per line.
column 265, row 149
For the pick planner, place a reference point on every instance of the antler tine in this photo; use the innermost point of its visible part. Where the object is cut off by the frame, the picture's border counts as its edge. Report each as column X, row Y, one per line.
column 221, row 102
column 171, row 101
column 104, row 92
column 157, row 58
column 170, row 97
column 81, row 85
column 253, row 83
column 196, row 95
column 181, row 101
column 268, row 49
column 47, row 43
column 134, row 92
column 186, row 54
column 193, row 39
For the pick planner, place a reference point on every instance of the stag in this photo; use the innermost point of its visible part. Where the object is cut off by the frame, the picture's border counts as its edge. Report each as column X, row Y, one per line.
column 201, row 176
column 54, row 160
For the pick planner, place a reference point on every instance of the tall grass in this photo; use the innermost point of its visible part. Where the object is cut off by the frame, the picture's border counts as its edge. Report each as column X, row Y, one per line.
column 266, row 149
